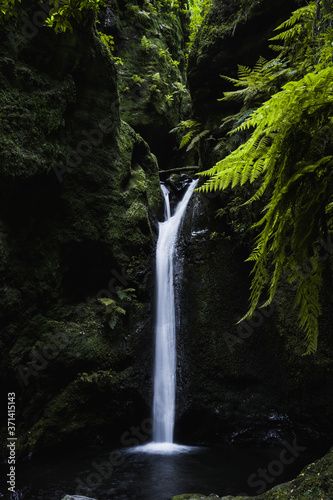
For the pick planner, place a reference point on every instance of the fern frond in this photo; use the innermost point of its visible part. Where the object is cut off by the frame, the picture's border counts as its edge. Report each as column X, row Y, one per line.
column 186, row 139
column 236, row 82
column 244, row 72
column 189, row 124
column 277, row 48
column 307, row 299
column 288, row 35
column 288, row 157
column 306, row 13
column 234, row 95
column 290, row 211
column 329, row 208
column 297, row 30
column 196, row 139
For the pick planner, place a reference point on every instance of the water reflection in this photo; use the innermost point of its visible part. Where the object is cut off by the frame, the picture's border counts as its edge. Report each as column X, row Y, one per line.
column 149, row 473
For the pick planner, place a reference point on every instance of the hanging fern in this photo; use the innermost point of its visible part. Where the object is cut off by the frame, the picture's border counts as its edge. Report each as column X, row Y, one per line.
column 299, row 36
column 191, row 133
column 290, row 152
column 264, row 79
column 300, row 23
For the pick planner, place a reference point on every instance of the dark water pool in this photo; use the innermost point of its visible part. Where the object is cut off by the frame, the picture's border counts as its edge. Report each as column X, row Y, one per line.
column 150, row 474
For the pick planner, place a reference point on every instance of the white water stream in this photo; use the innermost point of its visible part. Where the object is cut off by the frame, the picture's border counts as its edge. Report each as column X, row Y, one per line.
column 165, row 328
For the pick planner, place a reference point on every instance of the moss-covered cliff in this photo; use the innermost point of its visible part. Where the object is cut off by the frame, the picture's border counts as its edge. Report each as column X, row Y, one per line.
column 249, row 382
column 150, row 39
column 79, row 199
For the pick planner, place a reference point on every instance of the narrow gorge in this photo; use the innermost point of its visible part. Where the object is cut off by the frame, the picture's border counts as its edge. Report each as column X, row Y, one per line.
column 166, row 249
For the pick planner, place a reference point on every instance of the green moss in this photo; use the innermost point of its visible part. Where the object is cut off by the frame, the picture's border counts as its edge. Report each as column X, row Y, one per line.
column 221, row 22
column 74, row 383
column 30, row 116
column 315, row 481
column 138, row 195
column 152, row 67
column 95, row 220
column 76, row 408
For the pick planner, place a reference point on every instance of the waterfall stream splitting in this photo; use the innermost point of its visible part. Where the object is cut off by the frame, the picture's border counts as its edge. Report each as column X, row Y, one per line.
column 165, row 327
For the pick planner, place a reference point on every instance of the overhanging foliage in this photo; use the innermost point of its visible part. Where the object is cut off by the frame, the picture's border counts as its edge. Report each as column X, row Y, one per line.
column 289, row 156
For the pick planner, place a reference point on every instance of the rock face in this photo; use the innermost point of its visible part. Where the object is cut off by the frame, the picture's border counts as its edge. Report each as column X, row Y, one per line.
column 150, row 41
column 234, row 32
column 79, row 204
column 247, row 382
column 79, row 200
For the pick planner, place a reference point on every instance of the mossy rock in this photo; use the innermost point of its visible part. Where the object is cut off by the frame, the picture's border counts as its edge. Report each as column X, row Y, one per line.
column 150, row 40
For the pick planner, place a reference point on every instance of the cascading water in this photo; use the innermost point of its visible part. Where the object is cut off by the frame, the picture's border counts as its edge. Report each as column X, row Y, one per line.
column 165, row 328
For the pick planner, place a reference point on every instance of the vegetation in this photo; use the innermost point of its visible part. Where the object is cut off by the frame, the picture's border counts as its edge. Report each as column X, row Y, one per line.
column 108, row 42
column 190, row 131
column 76, row 341
column 61, row 14
column 8, row 9
column 198, row 11
column 288, row 157
column 112, row 309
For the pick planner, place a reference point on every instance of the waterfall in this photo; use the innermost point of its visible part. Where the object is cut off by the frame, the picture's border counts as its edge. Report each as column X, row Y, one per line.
column 165, row 328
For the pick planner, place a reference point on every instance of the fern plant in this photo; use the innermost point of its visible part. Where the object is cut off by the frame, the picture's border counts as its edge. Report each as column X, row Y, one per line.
column 61, row 13
column 146, row 44
column 112, row 309
column 108, row 42
column 289, row 157
column 299, row 36
column 263, row 80
column 191, row 133
column 299, row 25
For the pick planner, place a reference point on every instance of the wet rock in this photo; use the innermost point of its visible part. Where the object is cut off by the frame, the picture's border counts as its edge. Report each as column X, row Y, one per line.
column 152, row 79
column 236, row 382
column 77, row 497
